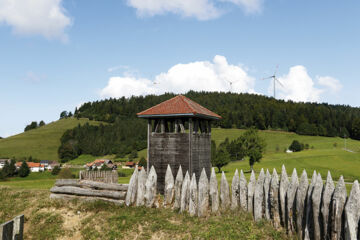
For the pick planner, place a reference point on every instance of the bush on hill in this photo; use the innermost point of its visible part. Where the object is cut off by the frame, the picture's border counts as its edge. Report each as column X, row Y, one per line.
column 296, row 146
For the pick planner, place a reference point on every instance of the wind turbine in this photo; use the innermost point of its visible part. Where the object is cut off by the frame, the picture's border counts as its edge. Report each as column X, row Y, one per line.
column 231, row 83
column 275, row 80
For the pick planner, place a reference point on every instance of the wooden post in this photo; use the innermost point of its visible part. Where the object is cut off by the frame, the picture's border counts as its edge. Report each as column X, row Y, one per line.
column 209, row 127
column 176, row 125
column 196, row 125
column 190, row 145
column 162, row 123
column 148, row 145
column 182, row 128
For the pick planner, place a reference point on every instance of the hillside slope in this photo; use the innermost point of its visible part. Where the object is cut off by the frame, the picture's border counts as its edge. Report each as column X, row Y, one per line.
column 41, row 143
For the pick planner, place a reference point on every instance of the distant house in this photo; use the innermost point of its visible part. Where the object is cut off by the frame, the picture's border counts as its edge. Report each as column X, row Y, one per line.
column 98, row 163
column 34, row 167
column 129, row 165
column 3, row 161
column 46, row 163
column 49, row 165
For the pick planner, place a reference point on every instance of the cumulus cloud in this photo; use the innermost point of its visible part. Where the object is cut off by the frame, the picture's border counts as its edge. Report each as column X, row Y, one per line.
column 330, row 83
column 41, row 17
column 200, row 9
column 250, row 6
column 198, row 76
column 300, row 87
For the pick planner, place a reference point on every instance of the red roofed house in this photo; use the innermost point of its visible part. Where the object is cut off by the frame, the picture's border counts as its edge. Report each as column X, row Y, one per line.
column 179, row 133
column 98, row 163
column 34, row 167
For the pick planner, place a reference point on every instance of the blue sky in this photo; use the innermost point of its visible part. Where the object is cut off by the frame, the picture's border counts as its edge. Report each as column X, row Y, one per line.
column 57, row 54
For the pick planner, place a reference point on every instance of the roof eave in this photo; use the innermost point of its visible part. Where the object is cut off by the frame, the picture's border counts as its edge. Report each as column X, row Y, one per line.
column 178, row 115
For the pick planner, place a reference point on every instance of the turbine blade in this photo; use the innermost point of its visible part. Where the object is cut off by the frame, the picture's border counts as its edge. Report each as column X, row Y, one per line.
column 279, row 82
column 276, row 69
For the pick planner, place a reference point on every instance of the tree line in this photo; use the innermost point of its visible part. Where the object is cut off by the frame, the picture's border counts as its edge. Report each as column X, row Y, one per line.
column 237, row 111
column 34, row 125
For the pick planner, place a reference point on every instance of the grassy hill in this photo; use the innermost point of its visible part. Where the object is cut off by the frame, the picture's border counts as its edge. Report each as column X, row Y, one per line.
column 325, row 154
column 41, row 143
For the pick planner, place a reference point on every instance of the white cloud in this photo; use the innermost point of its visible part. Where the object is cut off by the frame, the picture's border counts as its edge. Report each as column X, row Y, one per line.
column 250, row 6
column 181, row 78
column 331, row 83
column 300, row 87
column 115, row 68
column 200, row 9
column 41, row 17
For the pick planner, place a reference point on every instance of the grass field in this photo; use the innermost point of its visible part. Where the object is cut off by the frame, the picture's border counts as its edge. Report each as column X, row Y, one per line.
column 325, row 156
column 41, row 143
column 50, row 219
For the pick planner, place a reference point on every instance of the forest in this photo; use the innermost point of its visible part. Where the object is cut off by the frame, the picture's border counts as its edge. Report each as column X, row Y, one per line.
column 124, row 132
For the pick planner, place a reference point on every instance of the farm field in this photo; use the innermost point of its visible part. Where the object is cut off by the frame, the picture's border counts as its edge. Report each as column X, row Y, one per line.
column 41, row 143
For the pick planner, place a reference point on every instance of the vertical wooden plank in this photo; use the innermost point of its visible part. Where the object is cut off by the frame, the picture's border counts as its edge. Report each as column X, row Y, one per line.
column 190, row 145
column 162, row 124
column 148, row 145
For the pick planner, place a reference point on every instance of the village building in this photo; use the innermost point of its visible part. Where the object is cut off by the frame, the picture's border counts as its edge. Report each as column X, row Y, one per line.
column 129, row 165
column 34, row 167
column 98, row 163
column 3, row 161
column 49, row 165
column 179, row 133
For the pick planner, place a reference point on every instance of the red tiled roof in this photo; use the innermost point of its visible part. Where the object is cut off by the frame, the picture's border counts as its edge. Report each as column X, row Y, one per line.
column 179, row 105
column 30, row 164
column 129, row 164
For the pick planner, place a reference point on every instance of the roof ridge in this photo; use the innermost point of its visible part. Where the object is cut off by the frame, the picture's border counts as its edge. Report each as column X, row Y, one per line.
column 157, row 105
column 184, row 99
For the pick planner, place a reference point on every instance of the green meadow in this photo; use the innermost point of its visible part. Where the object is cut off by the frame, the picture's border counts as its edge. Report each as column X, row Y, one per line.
column 325, row 154
column 41, row 143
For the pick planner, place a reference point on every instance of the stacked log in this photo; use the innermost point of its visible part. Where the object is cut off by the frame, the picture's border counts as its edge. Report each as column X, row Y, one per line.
column 89, row 190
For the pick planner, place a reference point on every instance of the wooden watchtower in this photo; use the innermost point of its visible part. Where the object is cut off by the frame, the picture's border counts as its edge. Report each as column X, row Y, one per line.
column 179, row 133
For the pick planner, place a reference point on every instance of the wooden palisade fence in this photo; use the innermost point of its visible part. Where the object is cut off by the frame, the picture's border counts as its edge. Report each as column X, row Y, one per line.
column 13, row 229
column 314, row 210
column 99, row 176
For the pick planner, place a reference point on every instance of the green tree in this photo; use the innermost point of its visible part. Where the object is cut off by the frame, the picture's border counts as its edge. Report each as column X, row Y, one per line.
column 56, row 170
column 142, row 162
column 222, row 158
column 6, row 169
column 296, row 146
column 24, row 170
column 63, row 114
column 41, row 123
column 254, row 146
column 104, row 167
column 355, row 129
column 12, row 168
column 133, row 154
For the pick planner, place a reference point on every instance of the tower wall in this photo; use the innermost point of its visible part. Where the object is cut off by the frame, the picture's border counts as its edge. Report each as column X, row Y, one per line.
column 191, row 152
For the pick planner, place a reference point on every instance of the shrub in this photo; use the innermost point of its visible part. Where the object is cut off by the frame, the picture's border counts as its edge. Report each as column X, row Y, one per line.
column 65, row 173
column 296, row 146
column 56, row 170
